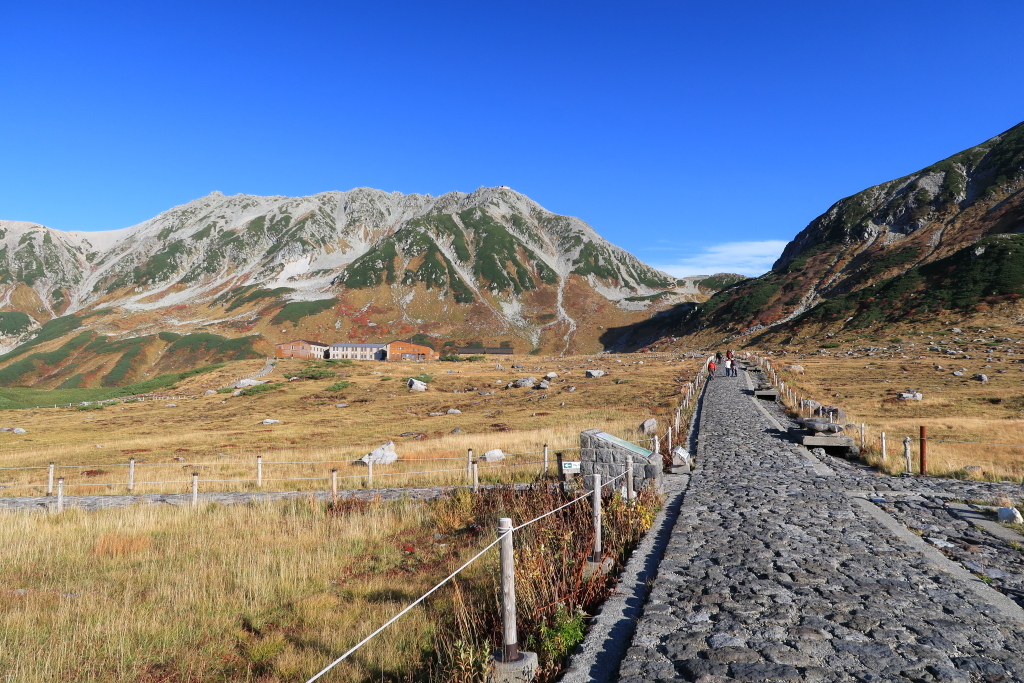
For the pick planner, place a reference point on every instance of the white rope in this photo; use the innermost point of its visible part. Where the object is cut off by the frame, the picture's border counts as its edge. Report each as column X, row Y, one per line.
column 409, row 607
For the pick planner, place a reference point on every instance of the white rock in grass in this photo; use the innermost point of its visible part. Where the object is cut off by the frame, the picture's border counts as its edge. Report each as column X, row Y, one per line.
column 268, row 421
column 595, row 373
column 551, row 375
column 454, row 411
column 494, row 455
column 649, row 426
column 382, row 455
column 416, row 385
column 19, row 430
column 209, row 392
column 243, row 383
column 1010, row 515
column 341, row 405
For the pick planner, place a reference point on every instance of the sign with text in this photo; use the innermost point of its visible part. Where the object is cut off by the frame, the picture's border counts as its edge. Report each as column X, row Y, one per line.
column 570, row 467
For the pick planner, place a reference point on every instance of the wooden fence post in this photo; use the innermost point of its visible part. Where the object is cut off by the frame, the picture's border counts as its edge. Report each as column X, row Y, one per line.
column 510, row 637
column 259, row 471
column 195, row 489
column 476, row 477
column 131, row 474
column 49, row 480
column 924, row 450
column 906, row 454
column 60, row 494
column 596, row 515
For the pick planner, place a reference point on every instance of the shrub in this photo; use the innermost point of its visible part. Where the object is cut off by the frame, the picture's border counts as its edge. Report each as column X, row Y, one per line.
column 475, row 359
column 452, row 358
column 426, row 379
column 831, row 345
column 260, row 388
column 316, row 373
column 225, row 390
column 338, row 386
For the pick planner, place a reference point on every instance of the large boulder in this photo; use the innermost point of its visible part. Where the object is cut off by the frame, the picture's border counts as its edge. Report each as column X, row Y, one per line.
column 416, row 385
column 981, row 378
column 382, row 455
column 595, row 373
column 551, row 375
column 1010, row 515
column 18, row 430
column 649, row 426
column 243, row 383
column 494, row 455
column 910, row 396
column 524, row 382
column 795, row 369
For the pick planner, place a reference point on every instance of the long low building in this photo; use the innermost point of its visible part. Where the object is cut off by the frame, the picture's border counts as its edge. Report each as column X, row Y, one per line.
column 398, row 349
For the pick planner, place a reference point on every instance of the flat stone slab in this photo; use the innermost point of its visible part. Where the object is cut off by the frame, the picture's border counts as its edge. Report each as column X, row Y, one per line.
column 827, row 441
column 767, row 394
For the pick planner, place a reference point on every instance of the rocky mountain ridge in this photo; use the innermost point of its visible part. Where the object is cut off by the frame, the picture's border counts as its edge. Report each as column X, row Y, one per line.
column 357, row 265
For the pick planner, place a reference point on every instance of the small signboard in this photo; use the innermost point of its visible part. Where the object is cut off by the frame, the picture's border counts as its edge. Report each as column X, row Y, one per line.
column 570, row 467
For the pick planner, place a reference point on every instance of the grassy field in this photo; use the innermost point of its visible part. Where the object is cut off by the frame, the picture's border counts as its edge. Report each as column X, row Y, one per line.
column 954, row 408
column 272, row 592
column 220, row 435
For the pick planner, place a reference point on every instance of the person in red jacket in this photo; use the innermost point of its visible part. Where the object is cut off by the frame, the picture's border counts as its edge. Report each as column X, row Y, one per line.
column 711, row 369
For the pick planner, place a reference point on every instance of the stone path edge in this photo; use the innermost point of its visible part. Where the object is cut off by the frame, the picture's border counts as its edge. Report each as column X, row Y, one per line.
column 610, row 633
column 986, row 593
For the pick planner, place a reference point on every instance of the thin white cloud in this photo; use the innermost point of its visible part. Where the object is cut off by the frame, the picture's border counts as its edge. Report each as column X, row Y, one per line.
column 746, row 258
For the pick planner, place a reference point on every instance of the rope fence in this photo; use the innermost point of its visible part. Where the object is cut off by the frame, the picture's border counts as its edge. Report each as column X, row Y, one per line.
column 508, row 616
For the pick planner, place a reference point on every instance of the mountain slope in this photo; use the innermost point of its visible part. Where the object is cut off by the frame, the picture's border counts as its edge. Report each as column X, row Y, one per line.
column 358, row 265
column 921, row 228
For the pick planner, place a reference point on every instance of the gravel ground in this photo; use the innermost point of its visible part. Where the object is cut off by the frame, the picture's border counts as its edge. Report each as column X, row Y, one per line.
column 772, row 573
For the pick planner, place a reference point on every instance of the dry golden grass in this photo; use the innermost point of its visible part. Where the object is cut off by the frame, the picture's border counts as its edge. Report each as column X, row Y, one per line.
column 953, row 409
column 255, row 592
column 219, row 435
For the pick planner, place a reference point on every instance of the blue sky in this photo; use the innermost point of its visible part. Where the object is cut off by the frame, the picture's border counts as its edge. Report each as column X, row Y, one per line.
column 701, row 137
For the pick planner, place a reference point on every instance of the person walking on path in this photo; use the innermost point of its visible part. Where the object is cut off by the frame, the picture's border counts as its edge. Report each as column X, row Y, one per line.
column 712, row 366
column 728, row 368
column 718, row 357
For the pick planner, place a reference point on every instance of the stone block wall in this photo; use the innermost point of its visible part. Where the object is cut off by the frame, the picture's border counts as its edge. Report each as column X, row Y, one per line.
column 603, row 453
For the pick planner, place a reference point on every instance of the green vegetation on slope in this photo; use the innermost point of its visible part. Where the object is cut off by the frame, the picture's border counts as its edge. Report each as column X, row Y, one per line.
column 297, row 310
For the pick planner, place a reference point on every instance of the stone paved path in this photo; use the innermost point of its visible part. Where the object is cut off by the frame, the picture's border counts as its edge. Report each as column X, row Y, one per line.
column 775, row 572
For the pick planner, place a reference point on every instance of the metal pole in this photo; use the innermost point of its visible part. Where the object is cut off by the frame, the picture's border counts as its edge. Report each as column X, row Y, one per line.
column 924, row 450
column 595, row 506
column 630, row 493
column 469, row 463
column 60, row 494
column 545, row 459
column 906, row 454
column 195, row 489
column 131, row 474
column 334, row 484
column 259, row 471
column 885, row 456
column 49, row 480
column 510, row 638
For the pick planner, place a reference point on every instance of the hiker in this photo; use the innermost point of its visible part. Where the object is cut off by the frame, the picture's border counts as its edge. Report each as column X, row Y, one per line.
column 733, row 366
column 728, row 367
column 728, row 354
column 718, row 357
column 712, row 366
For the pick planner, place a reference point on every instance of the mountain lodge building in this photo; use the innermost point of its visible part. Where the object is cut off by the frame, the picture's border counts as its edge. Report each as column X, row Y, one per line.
column 395, row 350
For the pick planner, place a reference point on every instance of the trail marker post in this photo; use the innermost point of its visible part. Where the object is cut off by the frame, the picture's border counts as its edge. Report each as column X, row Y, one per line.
column 885, row 456
column 60, row 494
column 195, row 489
column 476, row 477
column 924, row 450
column 131, row 474
column 334, row 484
column 49, row 480
column 259, row 471
column 469, row 463
column 630, row 493
column 510, row 637
column 545, row 459
column 596, row 515
column 369, row 474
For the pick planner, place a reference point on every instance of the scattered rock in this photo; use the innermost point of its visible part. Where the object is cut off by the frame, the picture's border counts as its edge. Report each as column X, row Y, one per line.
column 981, row 378
column 236, row 392
column 570, row 389
column 494, row 455
column 457, row 430
column 435, row 414
column 268, row 421
column 1010, row 515
column 500, row 367
column 551, row 375
column 543, row 385
column 454, row 411
column 795, row 369
column 517, row 367
column 170, row 405
column 19, row 430
column 243, row 383
column 526, row 382
column 341, row 405
column 973, row 470
column 178, row 458
column 910, row 396
column 595, row 373
column 416, row 385
column 382, row 455
column 209, row 392
column 649, row 426
column 957, row 373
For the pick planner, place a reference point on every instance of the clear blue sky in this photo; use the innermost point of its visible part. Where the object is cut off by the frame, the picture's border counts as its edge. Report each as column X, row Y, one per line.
column 697, row 135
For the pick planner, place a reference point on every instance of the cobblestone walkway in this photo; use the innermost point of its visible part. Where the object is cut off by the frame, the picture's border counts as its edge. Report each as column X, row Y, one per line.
column 779, row 568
